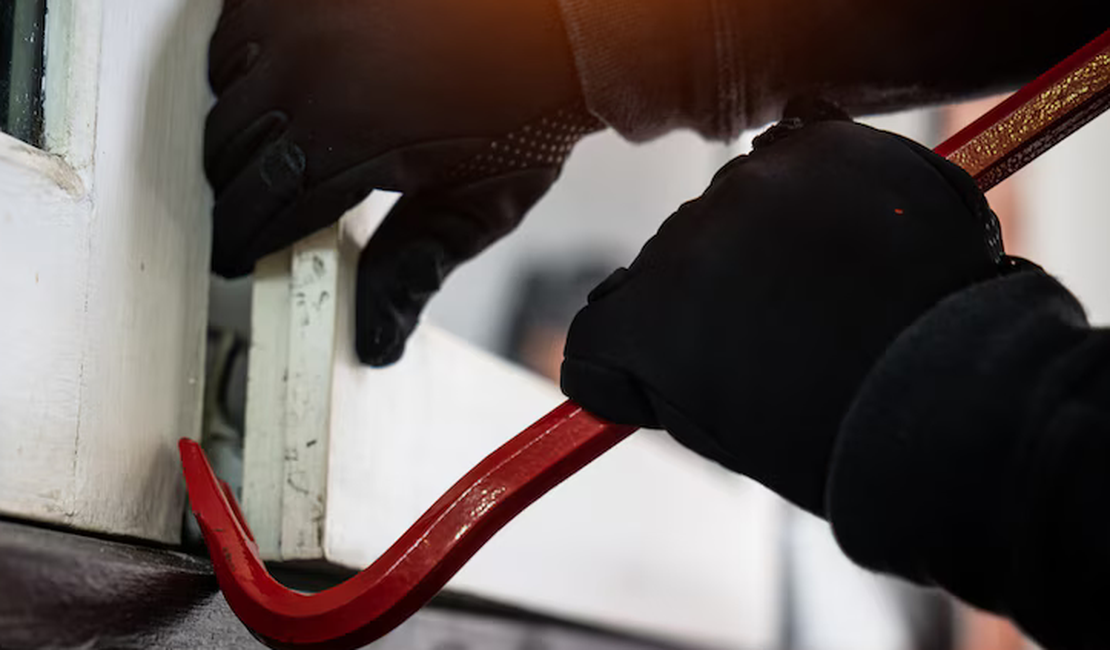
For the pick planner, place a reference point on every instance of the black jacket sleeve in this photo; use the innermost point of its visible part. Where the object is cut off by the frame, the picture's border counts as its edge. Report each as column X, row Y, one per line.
column 720, row 66
column 977, row 458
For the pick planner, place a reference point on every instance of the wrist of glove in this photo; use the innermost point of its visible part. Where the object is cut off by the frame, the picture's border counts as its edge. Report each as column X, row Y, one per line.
column 747, row 324
column 468, row 109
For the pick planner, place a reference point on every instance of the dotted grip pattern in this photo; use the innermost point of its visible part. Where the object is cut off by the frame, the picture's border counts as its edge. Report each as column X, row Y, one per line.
column 545, row 142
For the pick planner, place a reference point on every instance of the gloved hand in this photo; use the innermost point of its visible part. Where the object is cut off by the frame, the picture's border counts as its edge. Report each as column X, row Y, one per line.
column 468, row 108
column 746, row 325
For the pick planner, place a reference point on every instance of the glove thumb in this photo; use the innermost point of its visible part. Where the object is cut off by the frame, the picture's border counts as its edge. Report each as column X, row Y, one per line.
column 592, row 374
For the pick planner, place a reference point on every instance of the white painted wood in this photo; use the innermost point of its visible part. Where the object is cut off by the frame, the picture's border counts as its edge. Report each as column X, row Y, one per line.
column 43, row 240
column 313, row 288
column 649, row 537
column 103, row 263
column 263, row 452
column 73, row 32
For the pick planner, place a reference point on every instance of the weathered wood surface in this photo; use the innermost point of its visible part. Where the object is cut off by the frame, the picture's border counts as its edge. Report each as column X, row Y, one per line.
column 103, row 269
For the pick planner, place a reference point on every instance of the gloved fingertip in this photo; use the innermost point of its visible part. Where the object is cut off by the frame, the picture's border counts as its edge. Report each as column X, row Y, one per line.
column 392, row 293
column 420, row 270
column 245, row 212
column 379, row 344
column 386, row 313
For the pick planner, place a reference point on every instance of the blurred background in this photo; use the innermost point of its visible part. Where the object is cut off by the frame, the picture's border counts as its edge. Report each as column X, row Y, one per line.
column 518, row 299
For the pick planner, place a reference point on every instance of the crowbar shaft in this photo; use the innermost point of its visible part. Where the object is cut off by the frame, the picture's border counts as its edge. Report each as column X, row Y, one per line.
column 419, row 564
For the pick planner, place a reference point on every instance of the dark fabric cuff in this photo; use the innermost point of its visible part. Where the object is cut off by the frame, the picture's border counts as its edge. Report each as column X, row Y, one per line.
column 935, row 470
column 651, row 66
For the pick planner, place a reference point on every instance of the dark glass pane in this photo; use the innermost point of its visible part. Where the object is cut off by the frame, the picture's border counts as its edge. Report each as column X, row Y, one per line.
column 22, row 30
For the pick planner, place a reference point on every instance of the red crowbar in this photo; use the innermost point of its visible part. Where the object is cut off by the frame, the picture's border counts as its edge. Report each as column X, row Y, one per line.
column 417, row 566
column 406, row 576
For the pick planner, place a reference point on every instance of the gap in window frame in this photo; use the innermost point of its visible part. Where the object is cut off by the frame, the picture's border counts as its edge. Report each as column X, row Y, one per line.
column 23, row 70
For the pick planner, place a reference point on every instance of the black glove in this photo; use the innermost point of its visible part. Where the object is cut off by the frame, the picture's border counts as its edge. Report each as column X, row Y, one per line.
column 746, row 325
column 469, row 108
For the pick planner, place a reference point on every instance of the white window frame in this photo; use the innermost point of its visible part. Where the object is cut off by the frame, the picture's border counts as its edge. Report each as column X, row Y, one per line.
column 103, row 255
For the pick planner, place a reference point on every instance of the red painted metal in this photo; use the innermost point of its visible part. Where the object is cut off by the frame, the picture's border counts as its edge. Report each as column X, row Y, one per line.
column 407, row 575
column 1036, row 117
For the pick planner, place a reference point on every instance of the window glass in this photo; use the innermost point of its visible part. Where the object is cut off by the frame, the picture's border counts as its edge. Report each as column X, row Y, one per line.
column 22, row 30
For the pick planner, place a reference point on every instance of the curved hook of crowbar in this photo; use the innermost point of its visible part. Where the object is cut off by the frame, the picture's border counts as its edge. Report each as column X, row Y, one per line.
column 416, row 567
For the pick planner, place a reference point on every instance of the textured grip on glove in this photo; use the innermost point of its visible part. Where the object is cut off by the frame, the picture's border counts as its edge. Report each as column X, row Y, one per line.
column 545, row 142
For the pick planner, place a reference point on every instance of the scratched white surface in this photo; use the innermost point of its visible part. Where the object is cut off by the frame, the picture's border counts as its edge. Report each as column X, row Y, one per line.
column 103, row 266
column 264, row 447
